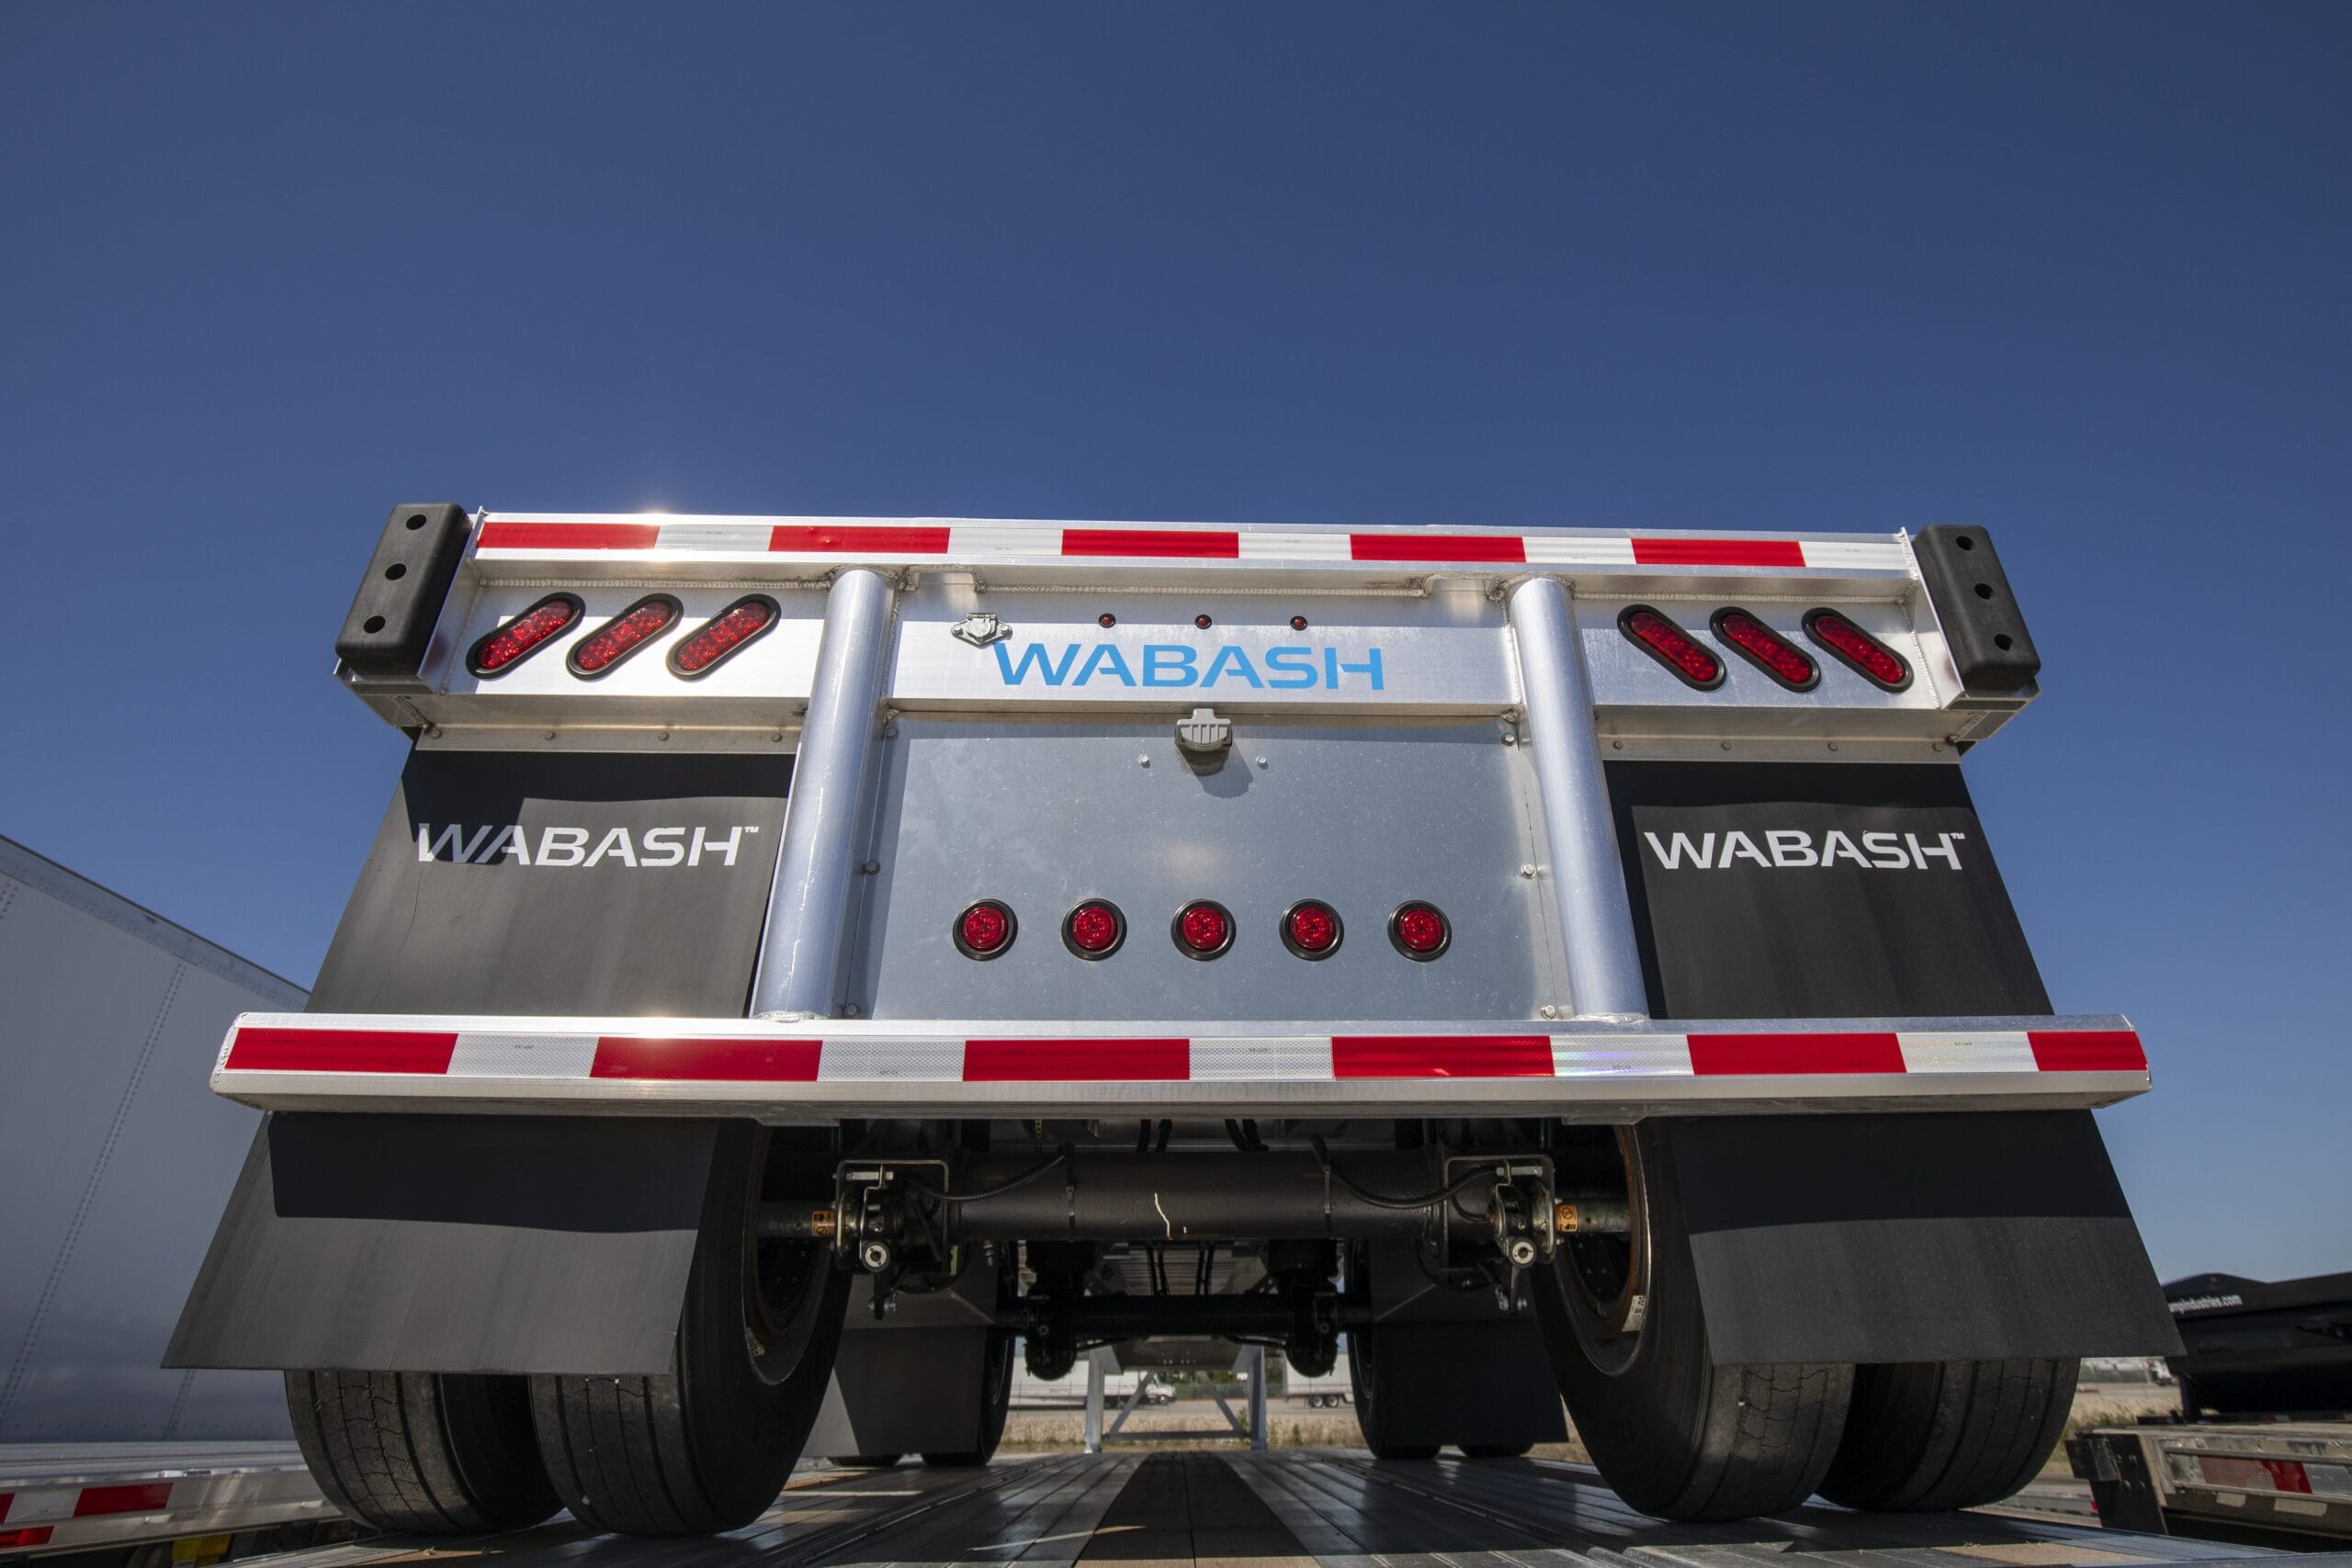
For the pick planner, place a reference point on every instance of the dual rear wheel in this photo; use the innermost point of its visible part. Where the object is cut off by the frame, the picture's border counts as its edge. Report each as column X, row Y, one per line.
column 701, row 1448
column 1682, row 1437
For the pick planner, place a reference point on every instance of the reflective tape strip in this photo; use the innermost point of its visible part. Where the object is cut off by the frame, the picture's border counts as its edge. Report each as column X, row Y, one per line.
column 998, row 540
column 704, row 1059
column 1967, row 1054
column 1289, row 1058
column 1268, row 545
column 1574, row 550
column 522, row 1055
column 891, row 1061
column 993, row 540
column 733, row 1057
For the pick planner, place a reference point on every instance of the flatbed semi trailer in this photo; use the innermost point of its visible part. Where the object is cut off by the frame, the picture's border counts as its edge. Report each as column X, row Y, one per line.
column 806, row 957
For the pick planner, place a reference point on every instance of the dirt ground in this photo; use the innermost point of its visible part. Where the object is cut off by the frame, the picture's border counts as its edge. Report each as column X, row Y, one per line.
column 1289, row 1424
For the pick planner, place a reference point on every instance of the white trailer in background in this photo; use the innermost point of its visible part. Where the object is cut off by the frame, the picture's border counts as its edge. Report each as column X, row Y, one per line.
column 114, row 1160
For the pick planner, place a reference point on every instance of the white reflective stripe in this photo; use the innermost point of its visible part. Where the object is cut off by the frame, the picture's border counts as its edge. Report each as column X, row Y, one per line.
column 1608, row 1056
column 902, row 1061
column 1966, row 1053
column 1274, row 544
column 1269, row 1058
column 48, row 1503
column 708, row 537
column 1863, row 555
column 1005, row 539
column 1573, row 549
column 522, row 1057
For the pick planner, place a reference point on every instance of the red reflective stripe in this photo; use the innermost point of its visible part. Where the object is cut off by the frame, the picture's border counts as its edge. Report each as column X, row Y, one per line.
column 1436, row 547
column 1047, row 1061
column 722, row 1061
column 1718, row 552
column 570, row 536
column 1190, row 543
column 1440, row 1056
column 2288, row 1475
column 144, row 1498
column 1716, row 1055
column 802, row 538
column 340, row 1051
column 32, row 1535
column 2087, row 1050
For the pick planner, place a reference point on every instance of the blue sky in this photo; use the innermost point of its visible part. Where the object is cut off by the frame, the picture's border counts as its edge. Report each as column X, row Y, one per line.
column 2076, row 274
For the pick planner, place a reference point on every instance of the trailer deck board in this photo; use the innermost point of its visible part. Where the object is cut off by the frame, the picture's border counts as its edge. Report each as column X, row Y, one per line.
column 1288, row 1508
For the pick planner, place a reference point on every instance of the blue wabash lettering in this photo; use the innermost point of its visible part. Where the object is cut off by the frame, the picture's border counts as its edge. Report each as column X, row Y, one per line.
column 1178, row 664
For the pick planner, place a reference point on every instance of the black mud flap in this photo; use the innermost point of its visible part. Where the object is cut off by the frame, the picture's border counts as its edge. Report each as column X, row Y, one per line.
column 539, row 884
column 1934, row 1236
column 453, row 1244
column 1861, row 890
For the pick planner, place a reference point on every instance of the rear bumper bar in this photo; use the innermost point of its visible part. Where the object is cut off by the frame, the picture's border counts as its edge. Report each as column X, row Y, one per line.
column 829, row 1069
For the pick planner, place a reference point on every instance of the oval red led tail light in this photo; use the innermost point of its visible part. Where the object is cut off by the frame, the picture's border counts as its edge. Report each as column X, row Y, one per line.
column 715, row 640
column 1311, row 929
column 1671, row 646
column 1766, row 649
column 1202, row 929
column 1420, row 931
column 602, row 650
column 499, row 651
column 1095, row 928
column 1857, row 650
column 984, row 929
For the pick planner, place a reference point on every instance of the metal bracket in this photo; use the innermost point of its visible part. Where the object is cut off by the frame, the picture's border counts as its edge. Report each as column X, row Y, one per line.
column 980, row 628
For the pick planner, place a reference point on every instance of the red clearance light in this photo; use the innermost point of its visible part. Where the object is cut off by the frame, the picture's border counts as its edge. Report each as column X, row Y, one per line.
column 1766, row 649
column 1202, row 929
column 501, row 651
column 602, row 651
column 984, row 929
column 1671, row 646
column 1856, row 648
column 745, row 621
column 1311, row 929
column 1420, row 931
column 1095, row 928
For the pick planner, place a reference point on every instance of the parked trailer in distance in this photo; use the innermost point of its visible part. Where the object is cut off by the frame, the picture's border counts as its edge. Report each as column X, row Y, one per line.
column 804, row 956
column 115, row 1161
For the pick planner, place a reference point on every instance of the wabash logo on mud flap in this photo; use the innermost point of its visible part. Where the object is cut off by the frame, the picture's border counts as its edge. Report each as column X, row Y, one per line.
column 1795, row 849
column 459, row 843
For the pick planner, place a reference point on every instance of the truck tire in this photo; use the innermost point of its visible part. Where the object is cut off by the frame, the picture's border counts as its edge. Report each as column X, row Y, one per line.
column 708, row 1445
column 1364, row 1377
column 421, row 1453
column 996, row 1401
column 1932, row 1436
column 1675, row 1435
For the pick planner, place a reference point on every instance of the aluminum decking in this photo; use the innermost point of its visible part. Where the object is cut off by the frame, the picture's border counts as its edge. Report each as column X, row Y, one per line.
column 1295, row 1508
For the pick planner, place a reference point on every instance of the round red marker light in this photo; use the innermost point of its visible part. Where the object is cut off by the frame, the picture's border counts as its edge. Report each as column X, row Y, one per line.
column 1419, row 931
column 1311, row 929
column 1766, row 649
column 984, row 929
column 1094, row 929
column 1202, row 929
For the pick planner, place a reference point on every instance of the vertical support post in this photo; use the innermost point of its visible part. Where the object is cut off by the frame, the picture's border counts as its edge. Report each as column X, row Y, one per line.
column 1093, row 1403
column 1588, row 879
column 809, row 904
column 1257, row 1399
